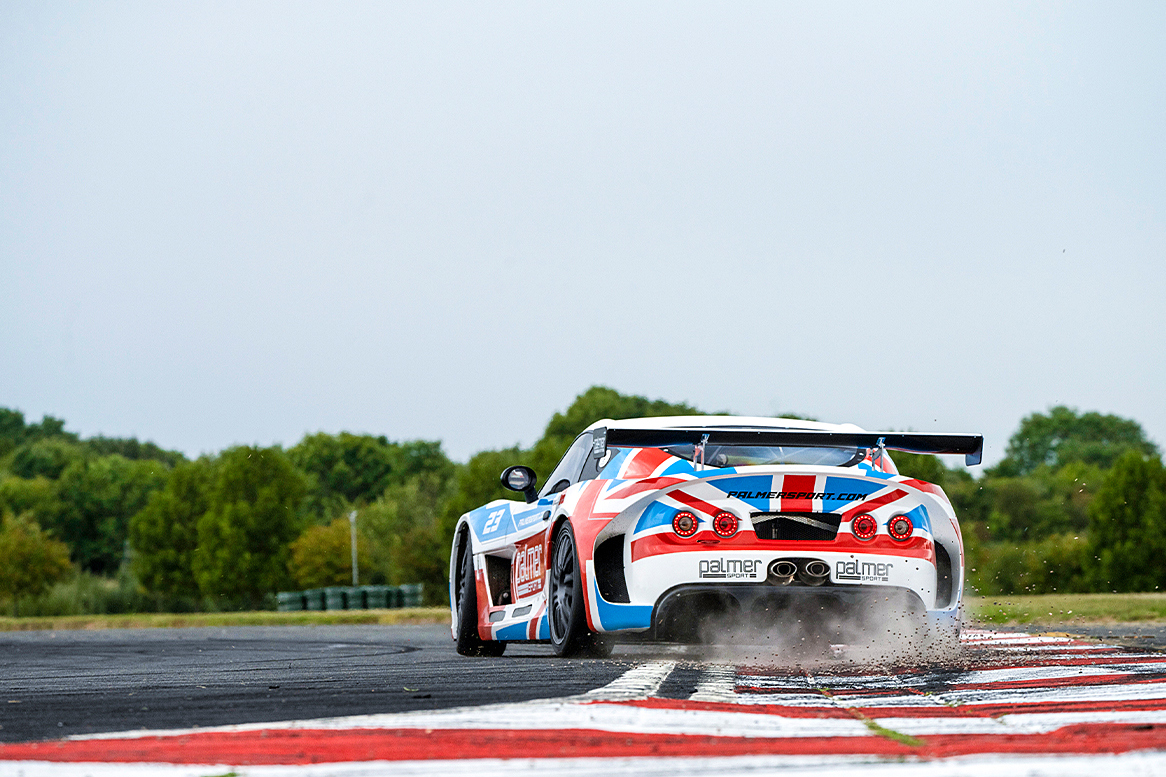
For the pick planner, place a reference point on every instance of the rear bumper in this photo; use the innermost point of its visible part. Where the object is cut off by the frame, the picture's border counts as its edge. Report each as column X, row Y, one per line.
column 685, row 609
column 710, row 613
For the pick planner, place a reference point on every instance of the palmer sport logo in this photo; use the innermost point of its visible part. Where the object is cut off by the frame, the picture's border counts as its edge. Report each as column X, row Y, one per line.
column 866, row 571
column 528, row 569
column 729, row 568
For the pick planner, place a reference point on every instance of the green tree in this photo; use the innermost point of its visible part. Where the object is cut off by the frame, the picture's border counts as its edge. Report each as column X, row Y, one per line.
column 920, row 466
column 477, row 482
column 36, row 496
column 322, row 556
column 11, row 430
column 1030, row 508
column 164, row 534
column 602, row 402
column 131, row 448
column 1127, row 526
column 595, row 403
column 1067, row 493
column 47, row 427
column 1052, row 564
column 1063, row 435
column 253, row 515
column 15, row 432
column 349, row 469
column 98, row 496
column 408, row 543
column 45, row 458
column 30, row 560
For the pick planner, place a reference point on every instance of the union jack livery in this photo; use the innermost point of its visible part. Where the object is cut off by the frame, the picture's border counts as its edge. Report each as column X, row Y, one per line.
column 695, row 529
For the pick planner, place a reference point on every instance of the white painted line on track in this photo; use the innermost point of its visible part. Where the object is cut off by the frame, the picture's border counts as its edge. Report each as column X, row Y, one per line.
column 1078, row 650
column 1078, row 657
column 1140, row 764
column 804, row 697
column 975, row 677
column 1108, row 693
column 554, row 715
column 995, row 638
column 637, row 683
column 1042, row 673
column 625, row 718
column 718, row 683
column 1020, row 723
column 973, row 697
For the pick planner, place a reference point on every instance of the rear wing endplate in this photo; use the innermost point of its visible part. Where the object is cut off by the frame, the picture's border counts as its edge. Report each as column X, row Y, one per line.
column 970, row 445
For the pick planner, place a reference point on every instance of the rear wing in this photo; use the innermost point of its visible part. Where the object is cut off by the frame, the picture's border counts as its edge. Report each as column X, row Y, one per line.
column 970, row 445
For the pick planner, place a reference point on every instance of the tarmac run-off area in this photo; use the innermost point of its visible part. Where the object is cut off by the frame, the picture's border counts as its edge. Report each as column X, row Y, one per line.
column 1018, row 705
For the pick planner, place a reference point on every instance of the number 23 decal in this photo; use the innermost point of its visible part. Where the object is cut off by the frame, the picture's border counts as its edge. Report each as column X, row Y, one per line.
column 492, row 521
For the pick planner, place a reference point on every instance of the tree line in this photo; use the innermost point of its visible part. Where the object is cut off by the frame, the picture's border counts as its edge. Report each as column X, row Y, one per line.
column 106, row 524
column 1077, row 504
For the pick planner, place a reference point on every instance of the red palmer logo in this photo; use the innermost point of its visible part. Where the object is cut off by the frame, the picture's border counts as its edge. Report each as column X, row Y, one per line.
column 528, row 569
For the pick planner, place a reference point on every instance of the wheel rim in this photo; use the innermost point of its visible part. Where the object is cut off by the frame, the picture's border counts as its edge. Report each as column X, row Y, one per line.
column 563, row 587
column 458, row 593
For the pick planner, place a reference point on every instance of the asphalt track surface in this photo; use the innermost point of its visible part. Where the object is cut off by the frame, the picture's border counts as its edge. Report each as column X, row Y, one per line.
column 397, row 700
column 64, row 683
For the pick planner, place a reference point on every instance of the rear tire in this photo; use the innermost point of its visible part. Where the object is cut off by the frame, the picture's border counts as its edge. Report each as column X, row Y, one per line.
column 567, row 614
column 466, row 590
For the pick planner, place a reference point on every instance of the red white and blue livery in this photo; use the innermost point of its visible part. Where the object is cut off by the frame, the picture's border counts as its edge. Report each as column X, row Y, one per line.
column 689, row 529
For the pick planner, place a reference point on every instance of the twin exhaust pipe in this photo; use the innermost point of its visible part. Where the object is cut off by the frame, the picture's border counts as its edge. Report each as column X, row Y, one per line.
column 807, row 571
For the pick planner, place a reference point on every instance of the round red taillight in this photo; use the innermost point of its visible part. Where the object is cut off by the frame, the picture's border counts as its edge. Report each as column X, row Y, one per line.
column 864, row 526
column 684, row 524
column 900, row 527
column 725, row 524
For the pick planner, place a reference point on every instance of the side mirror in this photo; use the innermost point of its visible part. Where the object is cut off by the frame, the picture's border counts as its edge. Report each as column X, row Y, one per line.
column 521, row 479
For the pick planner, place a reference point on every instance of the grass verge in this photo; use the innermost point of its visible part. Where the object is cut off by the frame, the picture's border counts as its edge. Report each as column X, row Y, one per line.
column 1066, row 609
column 407, row 615
column 1042, row 610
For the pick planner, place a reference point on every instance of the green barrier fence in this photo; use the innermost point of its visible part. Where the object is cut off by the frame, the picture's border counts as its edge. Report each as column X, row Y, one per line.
column 290, row 601
column 411, row 595
column 334, row 598
column 365, row 597
column 376, row 597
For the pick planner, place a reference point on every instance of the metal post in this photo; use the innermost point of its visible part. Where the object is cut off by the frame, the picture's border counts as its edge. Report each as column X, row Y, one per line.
column 352, row 528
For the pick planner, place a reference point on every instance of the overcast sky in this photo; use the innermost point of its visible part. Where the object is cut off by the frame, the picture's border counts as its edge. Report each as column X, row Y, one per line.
column 240, row 222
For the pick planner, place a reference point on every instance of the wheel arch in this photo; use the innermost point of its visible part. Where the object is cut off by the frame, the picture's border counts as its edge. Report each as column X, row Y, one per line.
column 585, row 561
column 463, row 536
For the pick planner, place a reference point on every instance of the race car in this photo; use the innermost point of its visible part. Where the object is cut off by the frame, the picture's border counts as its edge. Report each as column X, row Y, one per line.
column 688, row 529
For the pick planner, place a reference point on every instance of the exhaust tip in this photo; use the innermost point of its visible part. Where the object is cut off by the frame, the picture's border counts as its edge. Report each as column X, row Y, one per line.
column 814, row 572
column 782, row 572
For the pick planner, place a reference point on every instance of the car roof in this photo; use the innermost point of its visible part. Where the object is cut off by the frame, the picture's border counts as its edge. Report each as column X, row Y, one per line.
column 719, row 422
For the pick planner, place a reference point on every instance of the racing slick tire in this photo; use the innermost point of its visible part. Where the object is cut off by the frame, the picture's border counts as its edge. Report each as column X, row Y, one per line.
column 468, row 641
column 567, row 614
